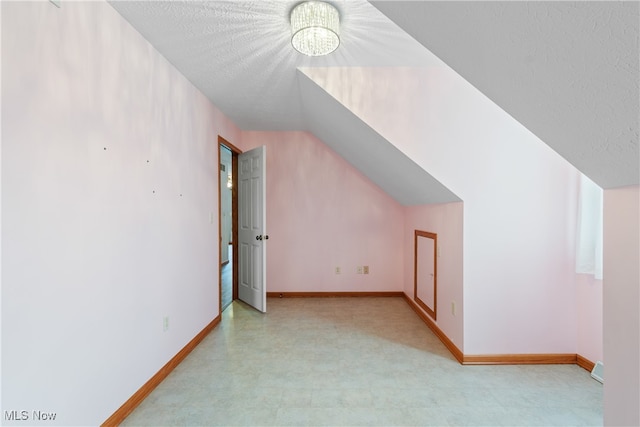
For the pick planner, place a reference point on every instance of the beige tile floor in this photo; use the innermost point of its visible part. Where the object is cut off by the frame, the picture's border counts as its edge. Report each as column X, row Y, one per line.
column 355, row 362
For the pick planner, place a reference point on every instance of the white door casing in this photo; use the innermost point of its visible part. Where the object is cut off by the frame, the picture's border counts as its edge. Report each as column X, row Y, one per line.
column 252, row 237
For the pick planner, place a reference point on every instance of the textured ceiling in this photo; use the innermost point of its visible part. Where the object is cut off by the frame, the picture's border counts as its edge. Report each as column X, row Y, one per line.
column 239, row 54
column 568, row 71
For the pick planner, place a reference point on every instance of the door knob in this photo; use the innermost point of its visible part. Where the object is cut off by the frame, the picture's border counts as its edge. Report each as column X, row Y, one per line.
column 259, row 237
column 266, row 237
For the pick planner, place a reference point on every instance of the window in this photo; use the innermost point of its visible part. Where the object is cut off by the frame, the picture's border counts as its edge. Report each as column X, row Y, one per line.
column 589, row 229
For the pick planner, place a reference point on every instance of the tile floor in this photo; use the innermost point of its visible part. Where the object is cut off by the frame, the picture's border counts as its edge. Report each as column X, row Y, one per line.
column 355, row 362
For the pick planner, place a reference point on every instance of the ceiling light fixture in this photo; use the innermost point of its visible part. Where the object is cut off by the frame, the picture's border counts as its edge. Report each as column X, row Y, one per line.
column 315, row 28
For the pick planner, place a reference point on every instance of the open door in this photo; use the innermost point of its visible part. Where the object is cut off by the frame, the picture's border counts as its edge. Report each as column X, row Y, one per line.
column 252, row 237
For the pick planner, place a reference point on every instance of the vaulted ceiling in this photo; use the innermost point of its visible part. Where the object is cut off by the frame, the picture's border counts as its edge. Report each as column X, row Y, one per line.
column 567, row 71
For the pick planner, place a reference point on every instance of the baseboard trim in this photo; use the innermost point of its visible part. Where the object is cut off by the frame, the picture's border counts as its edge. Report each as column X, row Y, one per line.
column 333, row 294
column 497, row 359
column 584, row 363
column 519, row 359
column 455, row 351
column 137, row 398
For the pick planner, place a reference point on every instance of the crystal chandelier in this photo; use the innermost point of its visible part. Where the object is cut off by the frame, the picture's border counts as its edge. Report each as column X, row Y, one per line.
column 315, row 28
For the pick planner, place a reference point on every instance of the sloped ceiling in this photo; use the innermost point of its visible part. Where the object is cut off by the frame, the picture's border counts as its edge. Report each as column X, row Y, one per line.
column 368, row 151
column 239, row 54
column 568, row 71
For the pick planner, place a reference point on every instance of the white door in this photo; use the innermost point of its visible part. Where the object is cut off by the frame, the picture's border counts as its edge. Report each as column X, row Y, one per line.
column 252, row 233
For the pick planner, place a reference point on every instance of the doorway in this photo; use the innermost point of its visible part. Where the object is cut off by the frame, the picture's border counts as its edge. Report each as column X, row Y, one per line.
column 228, row 222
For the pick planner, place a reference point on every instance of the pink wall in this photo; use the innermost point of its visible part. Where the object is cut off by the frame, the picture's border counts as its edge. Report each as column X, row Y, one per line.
column 92, row 258
column 321, row 214
column 519, row 200
column 446, row 220
column 622, row 306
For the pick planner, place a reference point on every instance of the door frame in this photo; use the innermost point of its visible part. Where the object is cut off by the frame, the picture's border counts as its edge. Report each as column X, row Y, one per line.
column 235, row 151
column 433, row 236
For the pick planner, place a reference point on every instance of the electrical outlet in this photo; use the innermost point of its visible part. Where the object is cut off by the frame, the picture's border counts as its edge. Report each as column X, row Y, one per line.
column 359, row 269
column 453, row 308
column 365, row 269
column 165, row 323
column 338, row 270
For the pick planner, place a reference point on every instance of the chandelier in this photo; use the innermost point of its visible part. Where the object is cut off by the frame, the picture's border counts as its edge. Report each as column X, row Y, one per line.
column 315, row 28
